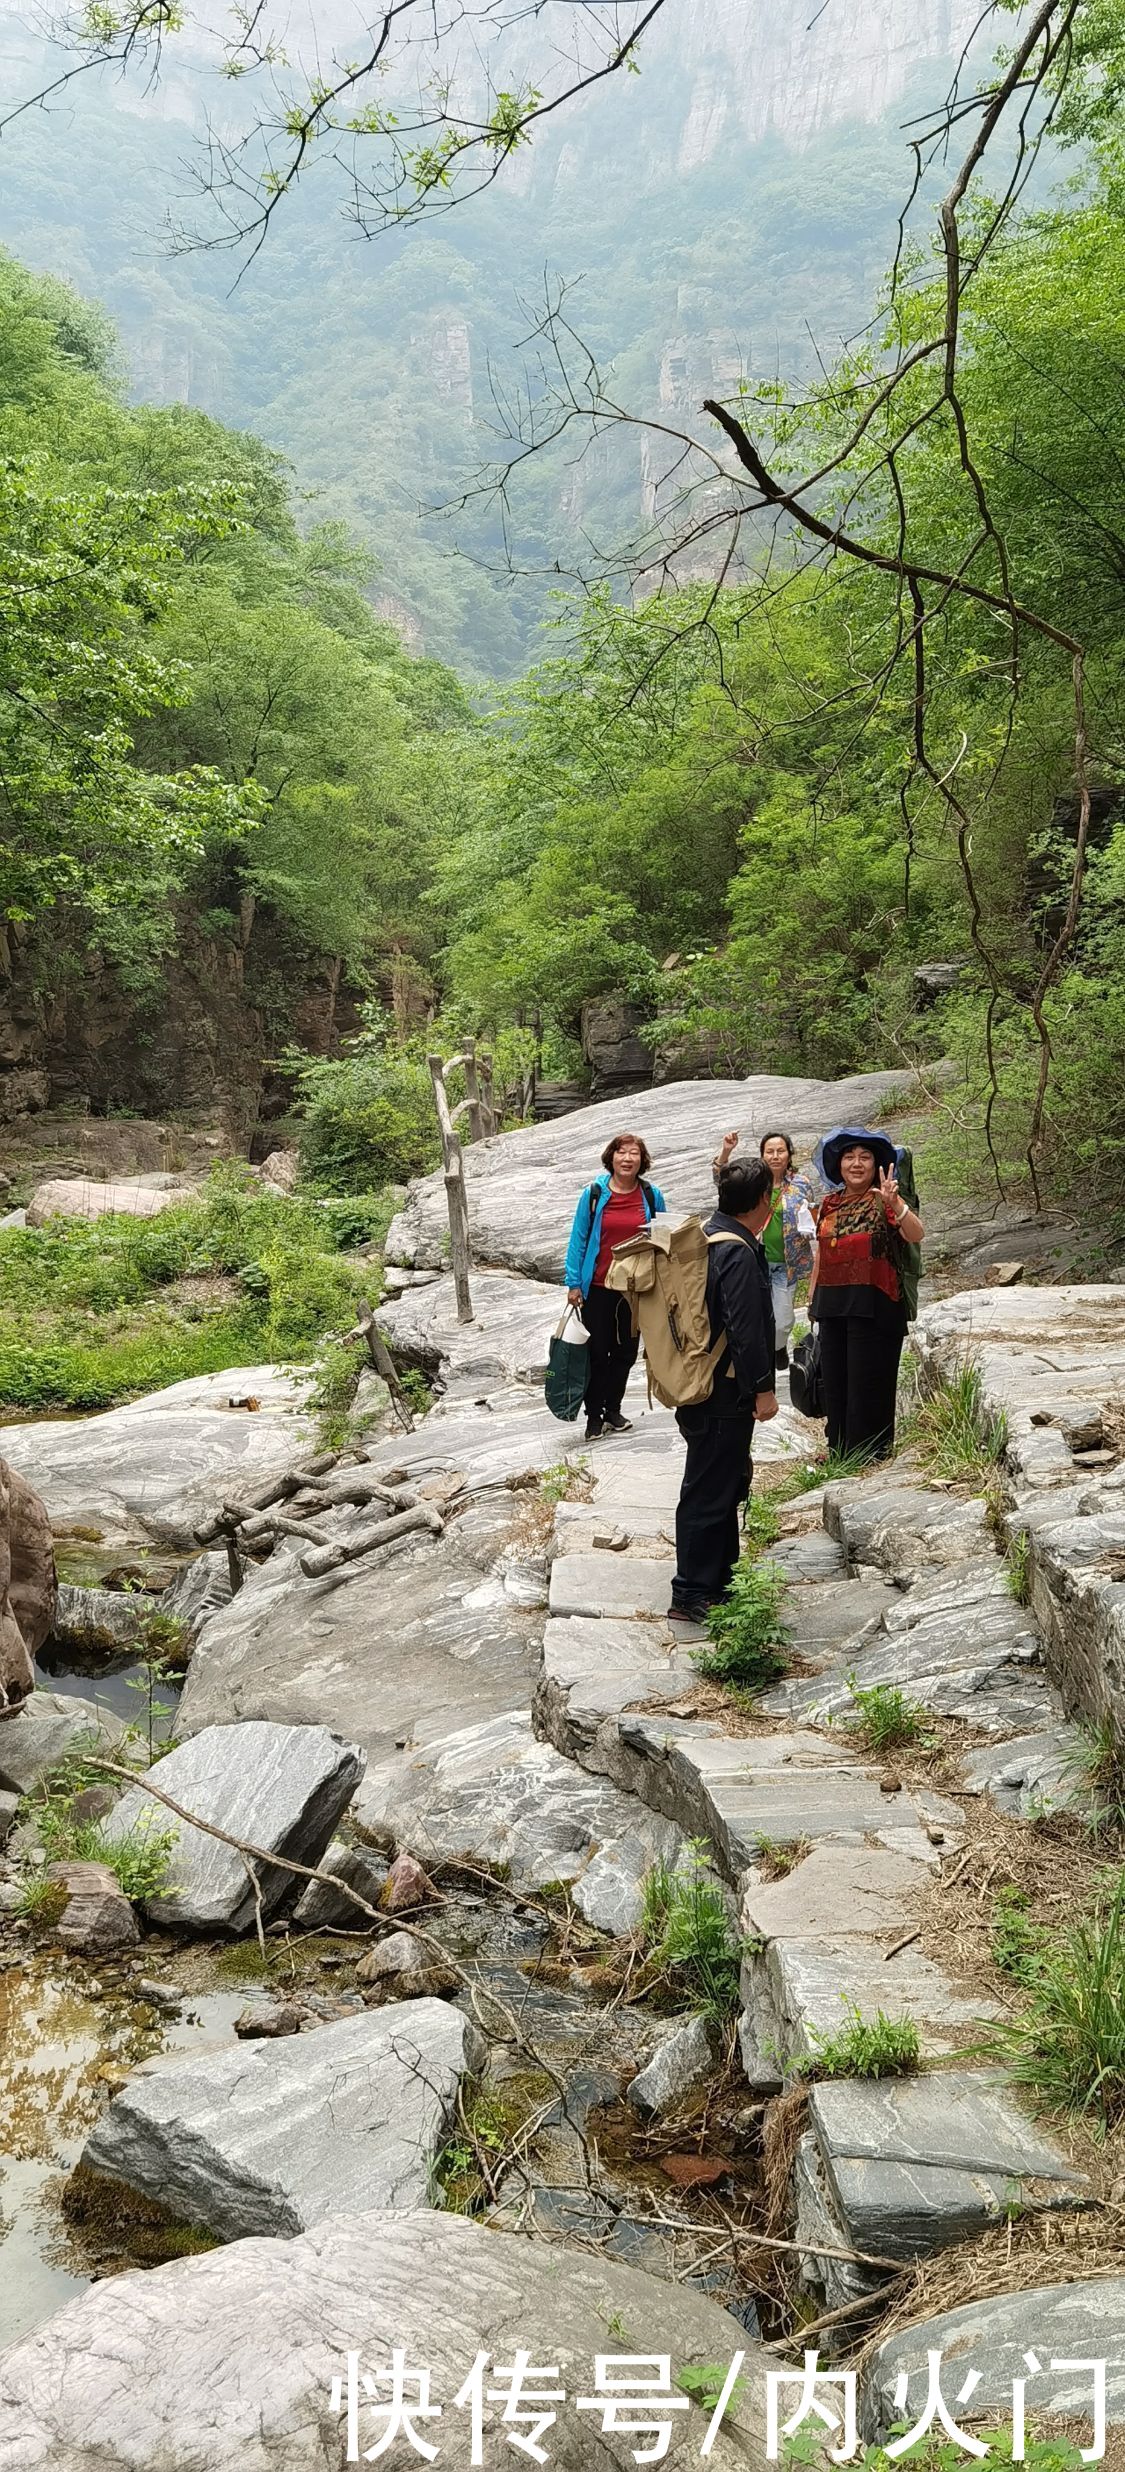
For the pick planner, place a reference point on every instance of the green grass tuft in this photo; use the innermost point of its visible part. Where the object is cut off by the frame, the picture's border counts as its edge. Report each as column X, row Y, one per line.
column 887, row 1720
column 954, row 1431
column 686, row 1930
column 878, row 2046
column 1019, row 1566
column 1067, row 2045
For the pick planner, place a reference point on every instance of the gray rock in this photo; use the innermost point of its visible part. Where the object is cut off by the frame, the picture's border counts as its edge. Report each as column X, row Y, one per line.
column 396, row 1648
column 48, row 1726
column 836, row 2279
column 99, row 1617
column 1059, row 2322
column 840, row 1892
column 398, row 1954
column 683, row 2061
column 97, row 1918
column 247, row 2142
column 163, row 1466
column 903, row 1528
column 1032, row 1776
column 618, row 1584
column 242, row 2346
column 492, row 1795
column 321, row 1907
column 609, row 1894
column 1049, row 1357
column 78, row 1197
column 201, row 1589
column 1077, row 1573
column 914, row 2163
column 798, row 1991
column 960, row 1647
column 280, row 1787
column 523, row 1187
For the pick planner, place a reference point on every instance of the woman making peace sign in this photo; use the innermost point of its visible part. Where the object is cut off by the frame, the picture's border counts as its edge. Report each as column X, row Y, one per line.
column 856, row 1289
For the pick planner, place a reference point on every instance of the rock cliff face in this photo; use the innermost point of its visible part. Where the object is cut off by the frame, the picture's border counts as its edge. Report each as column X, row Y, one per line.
column 794, row 70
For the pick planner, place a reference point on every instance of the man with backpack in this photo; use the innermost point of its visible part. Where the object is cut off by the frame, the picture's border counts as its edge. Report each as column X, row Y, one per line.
column 719, row 1427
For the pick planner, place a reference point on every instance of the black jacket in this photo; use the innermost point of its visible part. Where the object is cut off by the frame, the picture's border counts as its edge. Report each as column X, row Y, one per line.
column 740, row 1303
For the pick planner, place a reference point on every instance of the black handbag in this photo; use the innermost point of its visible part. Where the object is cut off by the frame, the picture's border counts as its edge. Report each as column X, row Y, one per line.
column 806, row 1386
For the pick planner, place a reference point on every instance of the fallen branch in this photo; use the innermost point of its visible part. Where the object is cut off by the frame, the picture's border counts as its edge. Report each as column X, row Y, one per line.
column 330, row 1557
column 382, row 1360
column 271, row 1525
column 259, row 1498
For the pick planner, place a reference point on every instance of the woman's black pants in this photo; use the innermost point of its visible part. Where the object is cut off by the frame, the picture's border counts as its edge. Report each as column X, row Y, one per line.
column 859, row 1369
column 612, row 1352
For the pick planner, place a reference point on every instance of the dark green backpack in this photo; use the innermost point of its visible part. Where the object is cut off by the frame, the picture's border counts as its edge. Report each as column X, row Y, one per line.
column 909, row 1256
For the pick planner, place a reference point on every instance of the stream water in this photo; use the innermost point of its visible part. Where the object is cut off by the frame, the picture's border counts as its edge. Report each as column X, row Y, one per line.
column 71, row 2030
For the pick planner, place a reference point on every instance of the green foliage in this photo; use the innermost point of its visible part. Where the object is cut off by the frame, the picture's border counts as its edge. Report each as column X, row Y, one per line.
column 886, row 1719
column 776, row 1857
column 368, row 1114
column 1099, row 1763
column 761, row 1525
column 704, row 2382
column 954, row 1431
column 94, row 1312
column 1019, row 1566
column 1067, row 2041
column 140, row 1861
column 416, row 1390
column 878, row 2046
column 566, row 1478
column 747, row 1634
column 934, row 2453
column 686, row 1930
column 1015, row 1939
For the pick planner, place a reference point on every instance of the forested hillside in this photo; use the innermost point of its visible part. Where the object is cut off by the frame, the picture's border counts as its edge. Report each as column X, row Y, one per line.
column 749, row 817
column 694, row 251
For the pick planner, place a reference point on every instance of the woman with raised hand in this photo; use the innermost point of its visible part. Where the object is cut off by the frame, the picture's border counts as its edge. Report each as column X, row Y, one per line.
column 788, row 1240
column 611, row 1210
column 857, row 1294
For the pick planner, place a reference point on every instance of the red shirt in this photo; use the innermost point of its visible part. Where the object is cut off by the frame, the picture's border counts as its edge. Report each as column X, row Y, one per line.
column 623, row 1216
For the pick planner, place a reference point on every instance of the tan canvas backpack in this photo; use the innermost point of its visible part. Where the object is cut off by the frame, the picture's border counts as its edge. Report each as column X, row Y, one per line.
column 663, row 1272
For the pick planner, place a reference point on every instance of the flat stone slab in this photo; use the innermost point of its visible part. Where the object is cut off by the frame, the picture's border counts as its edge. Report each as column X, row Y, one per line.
column 797, row 1991
column 915, row 2163
column 903, row 1528
column 960, row 1647
column 404, row 1645
column 1050, row 1357
column 839, row 1891
column 271, row 2139
column 49, row 1725
column 1059, row 2322
column 163, row 1466
column 737, row 1790
column 492, row 1794
column 1077, row 1573
column 227, row 2361
column 281, row 1787
column 808, row 1559
column 1033, row 1775
column 622, row 1585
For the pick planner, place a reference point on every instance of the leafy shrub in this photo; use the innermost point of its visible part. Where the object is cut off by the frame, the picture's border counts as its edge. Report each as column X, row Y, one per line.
column 309, row 1294
column 139, row 1861
column 748, row 1636
column 368, row 1114
column 1015, row 1939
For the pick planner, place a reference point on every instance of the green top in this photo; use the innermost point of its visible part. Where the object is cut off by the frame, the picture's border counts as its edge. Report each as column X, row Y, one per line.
column 773, row 1241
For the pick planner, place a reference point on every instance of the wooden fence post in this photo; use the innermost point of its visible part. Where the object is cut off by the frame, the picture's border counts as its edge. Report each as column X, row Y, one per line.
column 487, row 1101
column 472, row 1091
column 455, row 1199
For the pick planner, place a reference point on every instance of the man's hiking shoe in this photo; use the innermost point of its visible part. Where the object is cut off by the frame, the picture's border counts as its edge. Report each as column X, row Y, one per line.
column 594, row 1429
column 618, row 1424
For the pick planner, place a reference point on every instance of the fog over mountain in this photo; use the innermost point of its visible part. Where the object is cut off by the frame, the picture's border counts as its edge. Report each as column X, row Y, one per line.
column 721, row 213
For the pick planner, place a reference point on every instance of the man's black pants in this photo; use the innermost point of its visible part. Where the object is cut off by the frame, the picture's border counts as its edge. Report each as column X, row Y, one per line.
column 716, row 1481
column 612, row 1352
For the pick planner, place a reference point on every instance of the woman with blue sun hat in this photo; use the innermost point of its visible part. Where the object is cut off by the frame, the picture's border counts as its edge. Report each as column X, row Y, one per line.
column 857, row 1292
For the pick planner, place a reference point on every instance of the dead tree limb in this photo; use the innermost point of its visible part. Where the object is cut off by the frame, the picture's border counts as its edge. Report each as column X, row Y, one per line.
column 332, row 1557
column 456, row 1201
column 380, row 1354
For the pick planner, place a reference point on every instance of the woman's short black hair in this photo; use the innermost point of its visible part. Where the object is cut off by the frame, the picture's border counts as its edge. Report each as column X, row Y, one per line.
column 787, row 1138
column 614, row 1144
column 742, row 1185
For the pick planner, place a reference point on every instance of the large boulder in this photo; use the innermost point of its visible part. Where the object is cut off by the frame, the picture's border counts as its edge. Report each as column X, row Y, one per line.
column 522, row 1187
column 230, row 2362
column 406, row 1643
column 267, row 2140
column 51, row 1724
column 79, row 1197
column 27, row 1586
column 280, row 1788
column 160, row 1468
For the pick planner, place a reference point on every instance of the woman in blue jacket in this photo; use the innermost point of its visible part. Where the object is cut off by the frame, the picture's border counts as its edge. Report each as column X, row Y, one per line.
column 616, row 1206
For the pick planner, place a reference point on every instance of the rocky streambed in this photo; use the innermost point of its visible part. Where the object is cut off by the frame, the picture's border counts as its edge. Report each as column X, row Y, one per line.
column 482, row 1730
